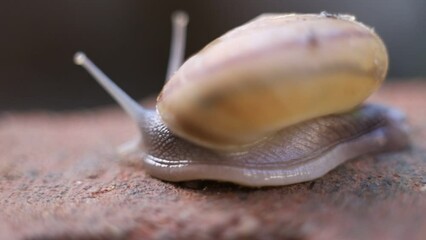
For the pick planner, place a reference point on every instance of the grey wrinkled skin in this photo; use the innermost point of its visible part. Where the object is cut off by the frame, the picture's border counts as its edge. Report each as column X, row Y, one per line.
column 295, row 154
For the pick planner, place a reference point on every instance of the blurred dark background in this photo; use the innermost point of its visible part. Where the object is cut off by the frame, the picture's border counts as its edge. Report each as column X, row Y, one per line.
column 129, row 40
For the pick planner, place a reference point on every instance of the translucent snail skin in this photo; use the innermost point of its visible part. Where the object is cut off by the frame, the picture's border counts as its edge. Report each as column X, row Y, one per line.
column 276, row 101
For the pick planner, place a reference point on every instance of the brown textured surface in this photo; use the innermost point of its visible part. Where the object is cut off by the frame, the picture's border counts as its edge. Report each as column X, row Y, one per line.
column 59, row 177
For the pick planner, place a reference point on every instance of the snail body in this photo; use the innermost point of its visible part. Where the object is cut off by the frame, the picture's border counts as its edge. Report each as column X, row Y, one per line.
column 298, row 153
column 273, row 102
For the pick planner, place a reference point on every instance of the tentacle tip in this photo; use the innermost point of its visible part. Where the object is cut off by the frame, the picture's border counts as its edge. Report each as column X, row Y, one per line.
column 79, row 58
column 180, row 17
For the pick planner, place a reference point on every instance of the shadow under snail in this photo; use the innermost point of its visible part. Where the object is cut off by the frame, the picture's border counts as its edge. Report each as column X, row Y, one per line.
column 276, row 101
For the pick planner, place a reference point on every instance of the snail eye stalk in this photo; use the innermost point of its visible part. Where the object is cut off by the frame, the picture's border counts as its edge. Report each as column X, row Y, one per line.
column 133, row 108
column 177, row 45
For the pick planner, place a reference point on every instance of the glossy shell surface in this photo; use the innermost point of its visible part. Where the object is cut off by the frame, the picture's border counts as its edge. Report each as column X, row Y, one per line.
column 273, row 72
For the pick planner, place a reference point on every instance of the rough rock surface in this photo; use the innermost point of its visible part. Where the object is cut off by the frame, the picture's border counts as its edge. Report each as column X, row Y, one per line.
column 60, row 178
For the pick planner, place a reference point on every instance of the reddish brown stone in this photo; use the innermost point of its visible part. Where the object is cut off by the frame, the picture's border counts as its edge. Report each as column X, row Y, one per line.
column 59, row 177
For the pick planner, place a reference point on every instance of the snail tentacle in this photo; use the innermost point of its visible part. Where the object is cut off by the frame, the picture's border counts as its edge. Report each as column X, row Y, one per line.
column 177, row 45
column 133, row 108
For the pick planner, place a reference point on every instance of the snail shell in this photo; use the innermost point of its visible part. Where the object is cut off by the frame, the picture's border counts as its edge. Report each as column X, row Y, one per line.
column 273, row 102
column 270, row 73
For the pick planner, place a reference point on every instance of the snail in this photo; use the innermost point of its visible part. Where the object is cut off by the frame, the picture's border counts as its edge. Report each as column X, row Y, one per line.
column 276, row 101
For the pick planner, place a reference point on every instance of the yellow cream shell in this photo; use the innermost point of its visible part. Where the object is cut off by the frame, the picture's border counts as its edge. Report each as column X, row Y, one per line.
column 275, row 71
